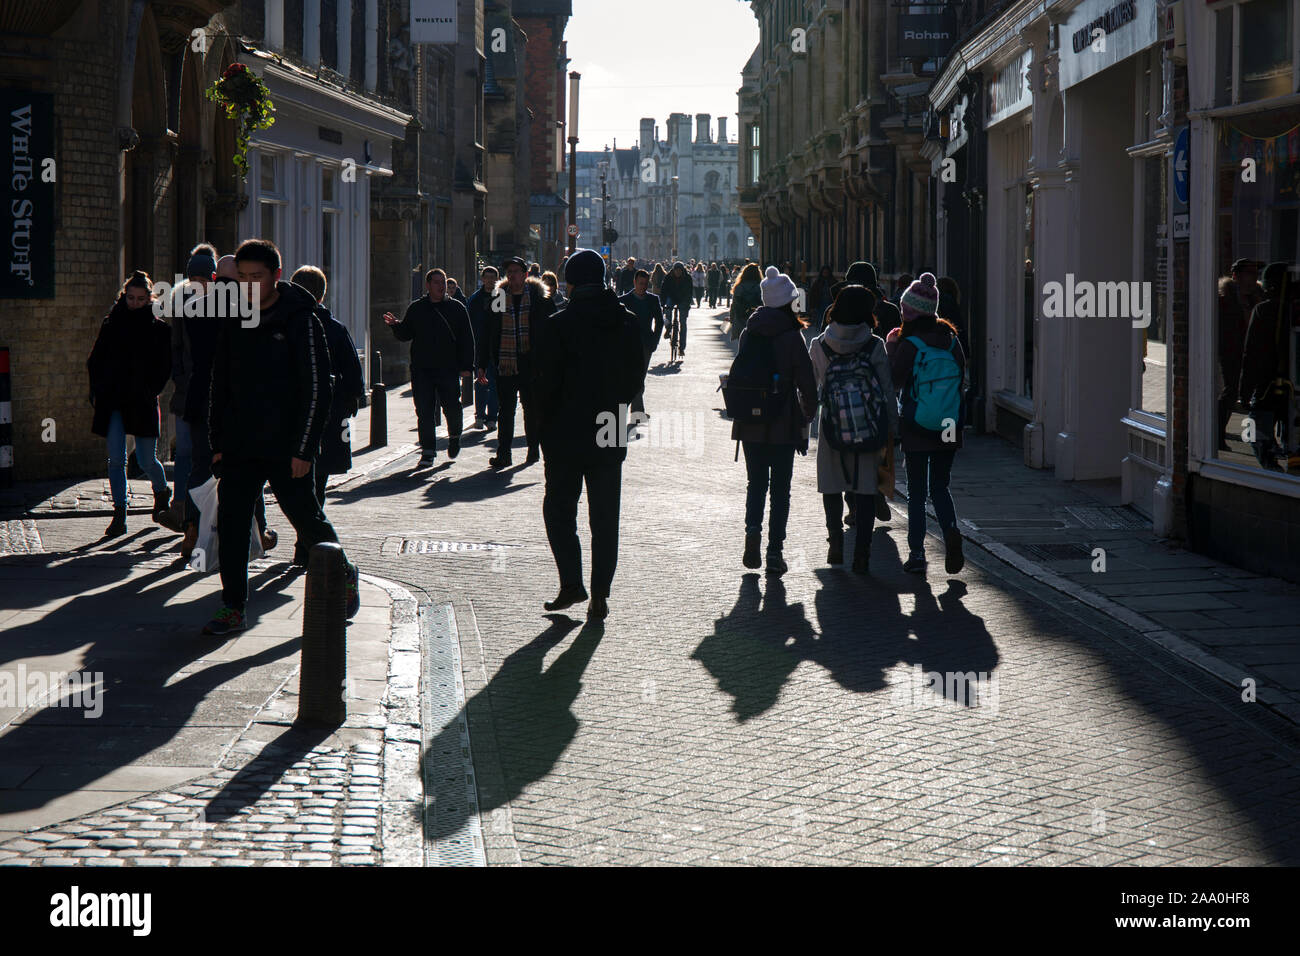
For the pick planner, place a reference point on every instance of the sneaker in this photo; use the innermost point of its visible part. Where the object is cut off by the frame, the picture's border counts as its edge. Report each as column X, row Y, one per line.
column 751, row 559
column 270, row 539
column 354, row 590
column 955, row 560
column 453, row 447
column 499, row 462
column 427, row 458
column 776, row 565
column 227, row 621
column 915, row 564
column 478, row 423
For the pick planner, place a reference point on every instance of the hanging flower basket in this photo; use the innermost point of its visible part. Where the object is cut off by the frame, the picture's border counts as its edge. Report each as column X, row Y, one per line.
column 247, row 101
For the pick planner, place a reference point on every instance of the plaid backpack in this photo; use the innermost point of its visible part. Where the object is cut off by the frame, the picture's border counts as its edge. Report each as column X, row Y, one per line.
column 855, row 416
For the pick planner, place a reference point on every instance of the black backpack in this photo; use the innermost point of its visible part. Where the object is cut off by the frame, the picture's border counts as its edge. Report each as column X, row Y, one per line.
column 753, row 392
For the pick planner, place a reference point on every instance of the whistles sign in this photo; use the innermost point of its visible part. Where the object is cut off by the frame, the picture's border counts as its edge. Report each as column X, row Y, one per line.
column 27, row 196
column 433, row 21
column 1101, row 33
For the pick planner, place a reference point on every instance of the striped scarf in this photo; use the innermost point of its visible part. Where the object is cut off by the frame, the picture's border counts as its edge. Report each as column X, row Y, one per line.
column 514, row 335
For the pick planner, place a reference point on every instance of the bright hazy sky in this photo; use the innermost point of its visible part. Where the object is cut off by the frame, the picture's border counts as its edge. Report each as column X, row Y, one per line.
column 654, row 57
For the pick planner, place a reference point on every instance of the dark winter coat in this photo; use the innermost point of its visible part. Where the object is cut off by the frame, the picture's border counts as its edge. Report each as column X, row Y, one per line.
column 590, row 363
column 915, row 438
column 714, row 280
column 649, row 315
column 270, row 393
column 1264, row 359
column 201, row 345
column 626, row 280
column 541, row 308
column 348, row 390
column 790, row 352
column 440, row 335
column 680, row 289
column 129, row 367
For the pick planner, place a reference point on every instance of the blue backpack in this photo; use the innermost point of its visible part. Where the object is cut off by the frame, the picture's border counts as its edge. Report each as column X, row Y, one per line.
column 936, row 385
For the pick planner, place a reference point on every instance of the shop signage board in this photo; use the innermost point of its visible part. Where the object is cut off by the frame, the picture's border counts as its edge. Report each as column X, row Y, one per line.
column 433, row 21
column 925, row 35
column 1009, row 91
column 1180, row 161
column 27, row 195
column 1101, row 33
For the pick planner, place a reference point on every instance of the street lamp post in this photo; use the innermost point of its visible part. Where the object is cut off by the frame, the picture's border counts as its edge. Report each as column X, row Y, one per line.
column 604, row 203
column 674, row 218
column 574, row 77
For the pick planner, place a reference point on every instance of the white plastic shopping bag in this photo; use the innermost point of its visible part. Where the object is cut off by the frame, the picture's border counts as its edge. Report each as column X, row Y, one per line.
column 204, row 558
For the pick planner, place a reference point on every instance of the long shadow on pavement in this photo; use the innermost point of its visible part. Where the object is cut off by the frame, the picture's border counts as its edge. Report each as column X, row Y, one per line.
column 531, row 713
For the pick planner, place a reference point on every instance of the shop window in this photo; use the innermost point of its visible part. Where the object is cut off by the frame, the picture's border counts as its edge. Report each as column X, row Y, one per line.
column 1153, row 363
column 1257, row 334
column 1253, row 51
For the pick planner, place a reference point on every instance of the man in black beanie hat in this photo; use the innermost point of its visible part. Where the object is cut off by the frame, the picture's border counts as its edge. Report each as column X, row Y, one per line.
column 590, row 367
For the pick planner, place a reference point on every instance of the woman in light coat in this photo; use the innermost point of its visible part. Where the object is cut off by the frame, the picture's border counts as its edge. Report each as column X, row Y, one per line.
column 851, row 330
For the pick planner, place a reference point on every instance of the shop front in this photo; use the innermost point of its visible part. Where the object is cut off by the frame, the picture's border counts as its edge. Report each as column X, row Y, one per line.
column 1243, row 494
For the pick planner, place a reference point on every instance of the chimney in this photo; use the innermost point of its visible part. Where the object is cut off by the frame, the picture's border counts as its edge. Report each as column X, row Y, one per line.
column 703, row 128
column 722, row 129
column 647, row 134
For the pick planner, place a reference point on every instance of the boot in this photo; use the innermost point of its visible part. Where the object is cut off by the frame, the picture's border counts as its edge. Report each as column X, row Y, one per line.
column 118, row 525
column 862, row 554
column 776, row 565
column 835, row 554
column 954, row 560
column 189, row 541
column 162, row 511
column 752, row 542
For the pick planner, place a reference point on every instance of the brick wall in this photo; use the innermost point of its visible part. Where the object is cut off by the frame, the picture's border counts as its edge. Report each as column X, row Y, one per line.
column 539, row 96
column 50, row 339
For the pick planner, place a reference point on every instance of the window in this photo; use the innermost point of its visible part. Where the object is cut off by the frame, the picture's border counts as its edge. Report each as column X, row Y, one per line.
column 1257, row 331
column 1152, row 362
column 329, row 235
column 753, row 154
column 1253, row 46
column 271, row 199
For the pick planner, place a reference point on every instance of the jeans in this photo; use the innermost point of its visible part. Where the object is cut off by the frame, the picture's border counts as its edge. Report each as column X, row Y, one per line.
column 184, row 464
column 680, row 337
column 768, row 466
column 145, row 455
column 638, row 403
column 564, row 481
column 237, row 497
column 932, row 469
column 435, row 392
column 486, row 403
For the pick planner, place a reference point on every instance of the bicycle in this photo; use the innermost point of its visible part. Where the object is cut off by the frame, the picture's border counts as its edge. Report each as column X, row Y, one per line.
column 670, row 332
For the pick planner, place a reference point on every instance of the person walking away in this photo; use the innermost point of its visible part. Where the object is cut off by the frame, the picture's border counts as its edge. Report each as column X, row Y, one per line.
column 442, row 351
column 929, row 369
column 267, row 407
column 1239, row 293
column 200, row 270
column 626, row 277
column 714, row 277
column 859, row 418
column 553, row 286
column 678, row 290
column 820, row 297
column 745, row 298
column 485, row 391
column 129, row 367
column 513, row 336
column 773, row 340
column 699, row 282
column 1266, row 385
column 591, row 365
column 347, row 381
column 657, row 276
column 650, row 323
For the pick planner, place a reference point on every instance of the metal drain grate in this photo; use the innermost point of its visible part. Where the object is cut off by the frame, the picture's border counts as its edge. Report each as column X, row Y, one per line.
column 452, row 826
column 1108, row 519
column 419, row 546
column 1054, row 552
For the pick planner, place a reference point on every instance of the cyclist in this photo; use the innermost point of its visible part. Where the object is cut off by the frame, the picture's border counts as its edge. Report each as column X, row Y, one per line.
column 678, row 290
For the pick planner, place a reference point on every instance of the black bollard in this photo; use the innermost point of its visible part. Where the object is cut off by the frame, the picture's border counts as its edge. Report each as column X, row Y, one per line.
column 324, row 638
column 378, row 406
